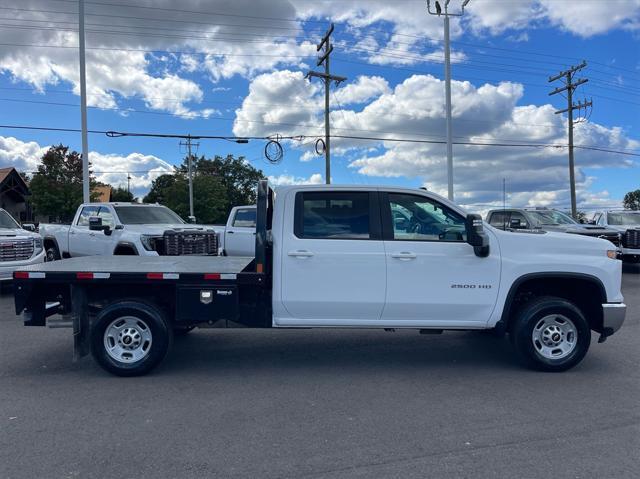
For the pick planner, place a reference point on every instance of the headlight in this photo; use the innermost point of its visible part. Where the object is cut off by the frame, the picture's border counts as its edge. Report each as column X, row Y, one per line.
column 149, row 241
column 37, row 246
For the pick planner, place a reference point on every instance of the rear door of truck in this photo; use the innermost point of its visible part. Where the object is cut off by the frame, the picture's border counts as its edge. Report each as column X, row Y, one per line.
column 333, row 263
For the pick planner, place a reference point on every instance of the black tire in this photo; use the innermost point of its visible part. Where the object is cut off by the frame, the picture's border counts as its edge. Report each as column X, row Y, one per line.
column 52, row 253
column 182, row 332
column 161, row 336
column 531, row 316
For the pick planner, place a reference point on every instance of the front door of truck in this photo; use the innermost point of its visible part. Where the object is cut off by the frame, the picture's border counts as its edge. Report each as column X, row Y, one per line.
column 80, row 237
column 333, row 262
column 240, row 235
column 433, row 276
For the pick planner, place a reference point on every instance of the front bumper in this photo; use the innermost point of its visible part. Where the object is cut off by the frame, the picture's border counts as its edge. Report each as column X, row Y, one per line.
column 630, row 251
column 7, row 269
column 613, row 315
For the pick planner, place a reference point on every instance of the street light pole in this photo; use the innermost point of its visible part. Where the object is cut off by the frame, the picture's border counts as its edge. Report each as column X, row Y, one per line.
column 447, row 83
column 86, row 193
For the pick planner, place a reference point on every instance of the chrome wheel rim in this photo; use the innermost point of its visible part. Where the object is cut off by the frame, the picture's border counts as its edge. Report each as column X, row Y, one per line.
column 554, row 336
column 127, row 339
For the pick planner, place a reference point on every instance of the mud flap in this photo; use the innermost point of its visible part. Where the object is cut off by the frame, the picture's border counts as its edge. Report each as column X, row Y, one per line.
column 81, row 323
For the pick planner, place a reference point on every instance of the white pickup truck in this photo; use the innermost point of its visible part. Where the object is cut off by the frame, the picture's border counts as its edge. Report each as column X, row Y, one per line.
column 18, row 247
column 106, row 229
column 238, row 236
column 342, row 257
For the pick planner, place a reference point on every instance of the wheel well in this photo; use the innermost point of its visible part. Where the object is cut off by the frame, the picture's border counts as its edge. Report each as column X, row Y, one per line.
column 48, row 242
column 585, row 292
column 125, row 250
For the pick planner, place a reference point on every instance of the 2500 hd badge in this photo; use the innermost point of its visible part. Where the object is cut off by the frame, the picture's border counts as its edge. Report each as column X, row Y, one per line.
column 471, row 286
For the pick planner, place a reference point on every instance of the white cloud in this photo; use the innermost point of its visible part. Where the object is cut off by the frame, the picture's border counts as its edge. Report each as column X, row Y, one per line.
column 364, row 88
column 414, row 109
column 582, row 18
column 108, row 168
column 284, row 180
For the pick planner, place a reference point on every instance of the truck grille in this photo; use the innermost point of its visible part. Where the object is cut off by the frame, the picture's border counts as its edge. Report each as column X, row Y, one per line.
column 15, row 250
column 179, row 243
column 631, row 239
column 612, row 237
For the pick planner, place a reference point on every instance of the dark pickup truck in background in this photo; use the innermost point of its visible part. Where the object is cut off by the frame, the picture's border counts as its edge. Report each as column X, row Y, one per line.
column 547, row 219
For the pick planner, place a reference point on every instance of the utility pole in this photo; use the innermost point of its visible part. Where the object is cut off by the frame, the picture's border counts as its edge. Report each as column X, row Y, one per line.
column 188, row 144
column 86, row 194
column 447, row 83
column 128, row 183
column 327, row 78
column 569, row 86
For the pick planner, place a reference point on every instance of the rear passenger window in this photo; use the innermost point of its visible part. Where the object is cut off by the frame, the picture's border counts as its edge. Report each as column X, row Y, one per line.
column 333, row 215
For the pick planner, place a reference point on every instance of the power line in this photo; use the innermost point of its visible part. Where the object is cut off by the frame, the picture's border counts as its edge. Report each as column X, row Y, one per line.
column 307, row 136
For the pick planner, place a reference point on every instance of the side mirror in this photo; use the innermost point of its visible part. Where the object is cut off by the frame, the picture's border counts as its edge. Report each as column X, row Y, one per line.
column 476, row 236
column 516, row 224
column 95, row 223
column 29, row 227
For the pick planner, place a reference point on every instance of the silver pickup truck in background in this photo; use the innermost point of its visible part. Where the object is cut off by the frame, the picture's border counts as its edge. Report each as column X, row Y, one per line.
column 104, row 229
column 18, row 247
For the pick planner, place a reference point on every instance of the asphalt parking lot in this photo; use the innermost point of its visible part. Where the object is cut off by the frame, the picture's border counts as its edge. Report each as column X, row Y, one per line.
column 262, row 404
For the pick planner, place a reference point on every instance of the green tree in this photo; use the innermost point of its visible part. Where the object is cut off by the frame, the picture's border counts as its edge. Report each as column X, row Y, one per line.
column 121, row 194
column 632, row 200
column 56, row 188
column 218, row 185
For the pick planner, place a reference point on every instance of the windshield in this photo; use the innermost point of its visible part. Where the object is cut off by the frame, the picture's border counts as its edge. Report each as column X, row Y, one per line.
column 7, row 221
column 551, row 217
column 147, row 215
column 624, row 218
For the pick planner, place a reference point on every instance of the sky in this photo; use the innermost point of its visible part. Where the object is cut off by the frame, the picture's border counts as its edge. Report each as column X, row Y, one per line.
column 237, row 68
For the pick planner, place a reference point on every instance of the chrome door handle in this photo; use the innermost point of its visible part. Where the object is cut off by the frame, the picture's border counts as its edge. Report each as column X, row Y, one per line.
column 230, row 232
column 405, row 255
column 300, row 253
column 72, row 232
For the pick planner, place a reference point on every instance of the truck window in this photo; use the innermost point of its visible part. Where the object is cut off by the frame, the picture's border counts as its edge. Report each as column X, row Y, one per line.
column 245, row 218
column 332, row 215
column 417, row 218
column 107, row 217
column 85, row 214
column 499, row 219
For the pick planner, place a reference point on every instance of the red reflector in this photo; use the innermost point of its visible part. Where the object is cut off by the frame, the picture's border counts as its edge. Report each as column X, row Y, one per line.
column 84, row 275
column 21, row 275
column 212, row 276
column 154, row 276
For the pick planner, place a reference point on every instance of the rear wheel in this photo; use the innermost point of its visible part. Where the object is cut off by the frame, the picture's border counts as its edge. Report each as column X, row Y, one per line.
column 130, row 338
column 550, row 334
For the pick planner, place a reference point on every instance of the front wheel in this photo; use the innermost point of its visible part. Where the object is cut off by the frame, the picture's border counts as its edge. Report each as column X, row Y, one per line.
column 130, row 338
column 52, row 254
column 550, row 334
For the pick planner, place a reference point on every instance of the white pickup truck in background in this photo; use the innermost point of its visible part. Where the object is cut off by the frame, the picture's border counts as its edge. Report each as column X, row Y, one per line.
column 18, row 247
column 105, row 229
column 238, row 236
